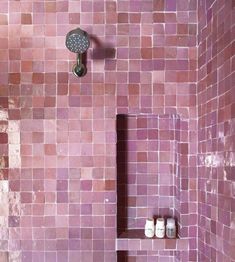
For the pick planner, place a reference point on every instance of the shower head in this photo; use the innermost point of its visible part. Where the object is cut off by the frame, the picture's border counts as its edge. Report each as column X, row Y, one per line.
column 77, row 41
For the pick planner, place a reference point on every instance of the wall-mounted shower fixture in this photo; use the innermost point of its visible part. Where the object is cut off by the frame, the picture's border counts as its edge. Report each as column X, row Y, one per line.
column 77, row 41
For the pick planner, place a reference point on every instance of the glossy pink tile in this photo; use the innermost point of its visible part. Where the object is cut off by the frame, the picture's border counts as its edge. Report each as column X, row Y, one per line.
column 215, row 133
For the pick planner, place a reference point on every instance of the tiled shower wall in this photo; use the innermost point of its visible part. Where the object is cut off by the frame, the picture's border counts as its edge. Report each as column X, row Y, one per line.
column 58, row 137
column 216, row 135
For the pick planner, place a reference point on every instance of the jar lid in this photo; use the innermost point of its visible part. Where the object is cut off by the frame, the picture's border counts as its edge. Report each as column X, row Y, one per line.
column 170, row 221
column 161, row 221
column 149, row 221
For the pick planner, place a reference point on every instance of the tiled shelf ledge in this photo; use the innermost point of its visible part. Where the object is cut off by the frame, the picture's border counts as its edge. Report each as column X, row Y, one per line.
column 135, row 240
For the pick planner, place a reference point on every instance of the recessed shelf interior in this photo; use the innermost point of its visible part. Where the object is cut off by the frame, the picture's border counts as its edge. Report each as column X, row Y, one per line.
column 146, row 168
column 152, row 164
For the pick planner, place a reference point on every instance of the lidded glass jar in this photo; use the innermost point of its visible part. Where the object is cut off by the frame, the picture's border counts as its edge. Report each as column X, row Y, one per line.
column 149, row 228
column 171, row 228
column 160, row 228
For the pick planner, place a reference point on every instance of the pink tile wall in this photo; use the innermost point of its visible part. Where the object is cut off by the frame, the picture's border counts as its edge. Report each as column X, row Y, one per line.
column 58, row 172
column 216, row 100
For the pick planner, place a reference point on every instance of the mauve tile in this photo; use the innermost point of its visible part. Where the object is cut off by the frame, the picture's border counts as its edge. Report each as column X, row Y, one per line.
column 26, row 256
column 74, row 18
column 62, row 185
column 50, row 256
column 26, row 19
column 50, row 245
column 50, row 7
column 86, row 244
column 74, row 244
column 146, row 244
column 62, row 6
column 134, row 244
column 158, row 244
column 98, row 244
column 62, row 256
column 170, row 5
column 62, row 197
column 170, row 244
column 86, row 185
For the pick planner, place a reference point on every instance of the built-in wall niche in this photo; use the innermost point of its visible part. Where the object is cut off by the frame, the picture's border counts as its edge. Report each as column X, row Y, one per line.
column 148, row 179
column 146, row 168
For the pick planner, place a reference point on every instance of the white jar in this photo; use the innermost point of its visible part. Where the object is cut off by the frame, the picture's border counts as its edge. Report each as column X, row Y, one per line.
column 171, row 228
column 149, row 228
column 160, row 228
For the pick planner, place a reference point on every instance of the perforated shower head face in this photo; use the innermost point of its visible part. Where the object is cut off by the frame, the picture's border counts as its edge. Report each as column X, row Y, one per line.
column 77, row 41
